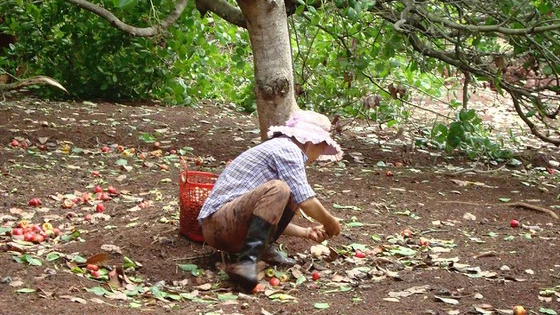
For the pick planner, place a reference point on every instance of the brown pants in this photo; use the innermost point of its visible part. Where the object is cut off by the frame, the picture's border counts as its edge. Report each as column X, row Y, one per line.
column 226, row 229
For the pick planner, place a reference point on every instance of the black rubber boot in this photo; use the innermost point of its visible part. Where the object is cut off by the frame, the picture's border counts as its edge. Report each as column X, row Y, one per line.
column 272, row 255
column 244, row 272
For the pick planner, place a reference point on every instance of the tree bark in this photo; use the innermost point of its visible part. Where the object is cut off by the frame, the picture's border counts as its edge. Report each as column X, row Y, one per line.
column 267, row 24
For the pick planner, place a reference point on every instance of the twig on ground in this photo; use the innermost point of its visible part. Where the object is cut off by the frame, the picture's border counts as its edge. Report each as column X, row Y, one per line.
column 510, row 204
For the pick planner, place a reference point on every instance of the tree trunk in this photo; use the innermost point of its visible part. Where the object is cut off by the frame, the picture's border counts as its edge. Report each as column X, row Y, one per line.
column 267, row 24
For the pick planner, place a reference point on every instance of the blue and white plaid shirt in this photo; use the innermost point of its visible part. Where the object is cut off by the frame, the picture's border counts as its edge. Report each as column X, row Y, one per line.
column 277, row 158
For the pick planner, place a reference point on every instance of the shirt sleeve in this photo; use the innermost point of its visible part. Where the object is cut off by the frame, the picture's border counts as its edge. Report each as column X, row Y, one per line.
column 290, row 165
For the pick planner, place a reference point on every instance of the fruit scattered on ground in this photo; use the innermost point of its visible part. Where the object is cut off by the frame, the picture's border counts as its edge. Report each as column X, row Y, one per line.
column 407, row 233
column 424, row 242
column 258, row 288
column 315, row 275
column 100, row 207
column 97, row 189
column 359, row 254
column 388, row 173
column 514, row 223
column 35, row 202
column 95, row 173
column 274, row 282
column 105, row 149
column 519, row 310
column 112, row 190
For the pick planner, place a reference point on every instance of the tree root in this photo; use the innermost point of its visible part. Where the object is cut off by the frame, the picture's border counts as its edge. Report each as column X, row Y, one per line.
column 511, row 204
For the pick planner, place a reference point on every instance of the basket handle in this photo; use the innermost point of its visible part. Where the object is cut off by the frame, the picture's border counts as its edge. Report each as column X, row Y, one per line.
column 184, row 170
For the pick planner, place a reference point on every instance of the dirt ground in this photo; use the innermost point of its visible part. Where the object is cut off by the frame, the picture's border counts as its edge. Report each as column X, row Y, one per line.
column 435, row 234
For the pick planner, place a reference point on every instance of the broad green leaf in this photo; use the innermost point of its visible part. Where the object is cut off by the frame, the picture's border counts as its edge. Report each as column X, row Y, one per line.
column 3, row 230
column 79, row 259
column 354, row 224
column 128, row 263
column 227, row 297
column 402, row 251
column 134, row 305
column 547, row 311
column 121, row 162
column 53, row 256
column 356, row 246
column 504, row 199
column 175, row 297
column 376, row 237
column 509, row 238
column 25, row 290
column 157, row 293
column 32, row 260
column 337, row 206
column 300, row 280
column 188, row 267
column 148, row 138
column 321, row 306
column 99, row 291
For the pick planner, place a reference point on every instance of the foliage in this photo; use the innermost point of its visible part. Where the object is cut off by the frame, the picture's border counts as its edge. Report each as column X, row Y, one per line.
column 356, row 58
column 94, row 60
column 468, row 134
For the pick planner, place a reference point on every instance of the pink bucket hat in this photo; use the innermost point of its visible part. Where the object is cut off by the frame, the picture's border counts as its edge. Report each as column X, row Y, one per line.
column 309, row 126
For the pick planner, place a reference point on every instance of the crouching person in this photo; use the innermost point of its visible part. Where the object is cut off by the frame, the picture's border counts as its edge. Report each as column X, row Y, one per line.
column 255, row 198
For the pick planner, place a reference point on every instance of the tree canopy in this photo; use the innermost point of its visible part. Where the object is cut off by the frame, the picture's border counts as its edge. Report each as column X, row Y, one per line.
column 358, row 58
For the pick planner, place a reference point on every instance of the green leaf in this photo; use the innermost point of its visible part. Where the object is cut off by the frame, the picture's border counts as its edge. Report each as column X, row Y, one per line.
column 53, row 256
column 321, row 306
column 134, row 305
column 227, row 297
column 504, row 199
column 3, row 230
column 79, row 259
column 547, row 311
column 25, row 290
column 188, row 267
column 128, row 263
column 300, row 280
column 99, row 291
column 356, row 246
column 337, row 206
column 509, row 238
column 121, row 162
column 32, row 260
column 157, row 293
column 146, row 137
column 402, row 251
column 354, row 224
column 376, row 237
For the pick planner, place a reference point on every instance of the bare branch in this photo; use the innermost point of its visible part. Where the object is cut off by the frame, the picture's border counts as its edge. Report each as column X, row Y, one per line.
column 534, row 130
column 486, row 28
column 135, row 31
column 223, row 9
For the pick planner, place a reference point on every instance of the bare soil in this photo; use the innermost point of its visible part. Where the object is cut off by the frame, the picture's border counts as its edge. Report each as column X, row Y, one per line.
column 475, row 263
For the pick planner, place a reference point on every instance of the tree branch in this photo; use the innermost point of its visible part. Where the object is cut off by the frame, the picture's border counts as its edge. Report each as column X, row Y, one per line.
column 487, row 28
column 529, row 123
column 223, row 9
column 135, row 31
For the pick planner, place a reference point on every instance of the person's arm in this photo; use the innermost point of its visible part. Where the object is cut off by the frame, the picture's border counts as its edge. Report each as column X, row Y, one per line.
column 316, row 233
column 313, row 208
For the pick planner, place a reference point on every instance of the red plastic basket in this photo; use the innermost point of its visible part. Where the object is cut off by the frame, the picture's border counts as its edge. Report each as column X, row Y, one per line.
column 194, row 188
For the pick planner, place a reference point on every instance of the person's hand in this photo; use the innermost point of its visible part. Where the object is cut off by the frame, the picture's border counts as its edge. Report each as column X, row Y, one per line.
column 332, row 226
column 317, row 233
